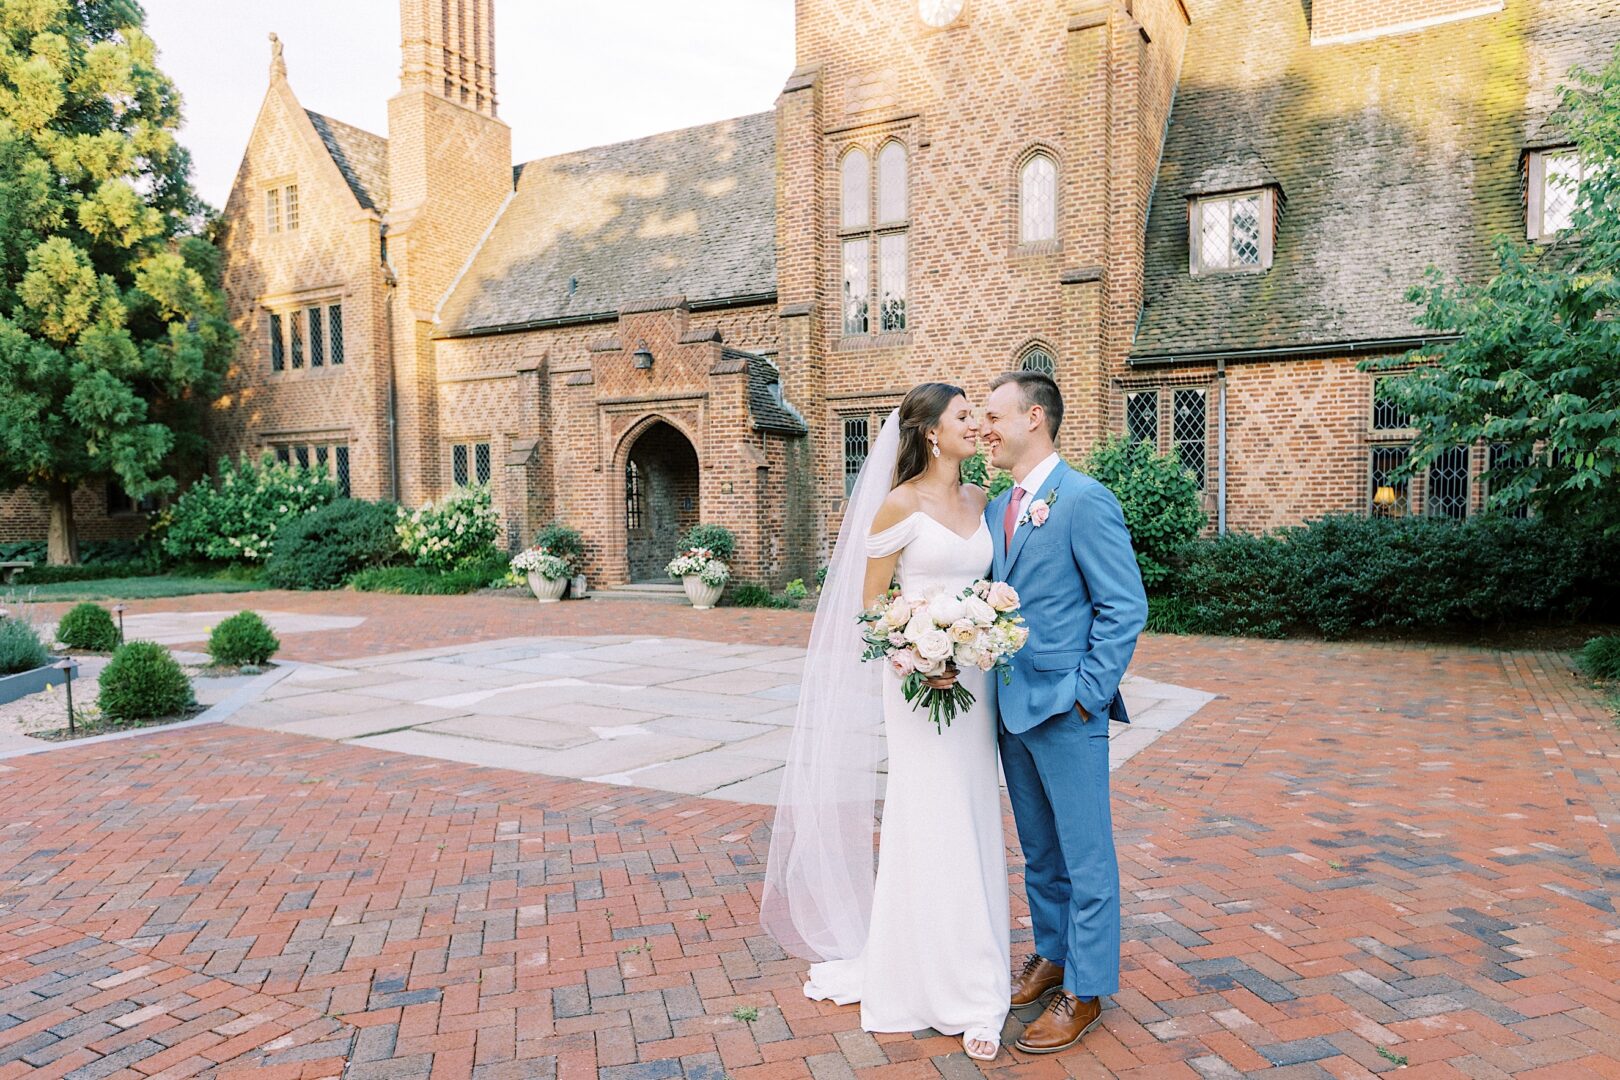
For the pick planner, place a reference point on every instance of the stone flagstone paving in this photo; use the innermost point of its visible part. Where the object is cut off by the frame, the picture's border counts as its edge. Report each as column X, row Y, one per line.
column 675, row 714
column 1408, row 857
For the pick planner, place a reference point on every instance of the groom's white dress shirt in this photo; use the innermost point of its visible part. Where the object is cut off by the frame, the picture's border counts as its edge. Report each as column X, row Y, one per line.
column 1032, row 487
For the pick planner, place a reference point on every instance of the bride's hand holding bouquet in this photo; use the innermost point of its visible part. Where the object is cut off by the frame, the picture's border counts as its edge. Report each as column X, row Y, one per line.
column 927, row 640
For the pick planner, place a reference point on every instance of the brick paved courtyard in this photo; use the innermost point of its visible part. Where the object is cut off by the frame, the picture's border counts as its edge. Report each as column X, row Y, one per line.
column 1354, row 856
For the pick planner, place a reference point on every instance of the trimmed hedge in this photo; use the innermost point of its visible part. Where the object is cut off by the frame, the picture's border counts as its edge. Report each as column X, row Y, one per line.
column 143, row 682
column 42, row 574
column 324, row 547
column 488, row 571
column 88, row 626
column 244, row 638
column 1346, row 574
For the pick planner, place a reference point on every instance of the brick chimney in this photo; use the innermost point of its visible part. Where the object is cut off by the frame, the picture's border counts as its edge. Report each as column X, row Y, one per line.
column 449, row 174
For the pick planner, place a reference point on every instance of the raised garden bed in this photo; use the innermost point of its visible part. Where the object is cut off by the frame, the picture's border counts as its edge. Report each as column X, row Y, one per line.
column 24, row 683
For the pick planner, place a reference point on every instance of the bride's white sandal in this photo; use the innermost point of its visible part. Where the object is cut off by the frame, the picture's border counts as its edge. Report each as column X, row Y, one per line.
column 981, row 1035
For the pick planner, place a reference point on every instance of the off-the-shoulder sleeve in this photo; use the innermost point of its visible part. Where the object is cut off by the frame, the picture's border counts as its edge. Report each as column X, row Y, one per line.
column 892, row 539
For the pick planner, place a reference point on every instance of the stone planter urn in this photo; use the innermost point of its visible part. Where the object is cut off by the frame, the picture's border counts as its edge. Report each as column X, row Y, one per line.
column 547, row 590
column 702, row 596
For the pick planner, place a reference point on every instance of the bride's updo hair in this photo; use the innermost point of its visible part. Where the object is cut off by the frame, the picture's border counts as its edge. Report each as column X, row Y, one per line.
column 920, row 410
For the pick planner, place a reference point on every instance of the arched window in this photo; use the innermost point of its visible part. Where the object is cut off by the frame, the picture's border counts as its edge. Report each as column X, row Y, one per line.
column 891, row 184
column 875, row 255
column 857, row 189
column 1038, row 359
column 1037, row 200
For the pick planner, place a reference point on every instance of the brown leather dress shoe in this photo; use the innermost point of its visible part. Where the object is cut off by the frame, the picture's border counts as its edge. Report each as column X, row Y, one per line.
column 1034, row 985
column 1066, row 1019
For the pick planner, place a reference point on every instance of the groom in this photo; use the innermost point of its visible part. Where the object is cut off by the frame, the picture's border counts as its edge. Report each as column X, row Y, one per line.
column 1061, row 542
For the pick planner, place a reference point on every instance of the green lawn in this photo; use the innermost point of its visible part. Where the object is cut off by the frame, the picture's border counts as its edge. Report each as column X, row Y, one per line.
column 128, row 588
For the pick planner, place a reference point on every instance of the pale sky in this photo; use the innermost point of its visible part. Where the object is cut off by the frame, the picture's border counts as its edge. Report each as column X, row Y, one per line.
column 569, row 74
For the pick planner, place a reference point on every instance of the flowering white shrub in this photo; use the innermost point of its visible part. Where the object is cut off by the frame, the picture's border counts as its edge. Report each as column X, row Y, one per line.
column 236, row 519
column 701, row 563
column 440, row 536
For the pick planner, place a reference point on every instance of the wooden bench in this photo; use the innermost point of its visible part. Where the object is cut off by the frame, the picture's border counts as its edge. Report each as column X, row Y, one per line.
column 10, row 570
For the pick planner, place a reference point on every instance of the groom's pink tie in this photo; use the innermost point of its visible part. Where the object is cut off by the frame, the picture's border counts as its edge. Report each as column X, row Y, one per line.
column 1010, row 522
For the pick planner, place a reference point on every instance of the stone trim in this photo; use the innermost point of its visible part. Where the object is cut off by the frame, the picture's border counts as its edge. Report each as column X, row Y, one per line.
column 1080, row 275
column 653, row 303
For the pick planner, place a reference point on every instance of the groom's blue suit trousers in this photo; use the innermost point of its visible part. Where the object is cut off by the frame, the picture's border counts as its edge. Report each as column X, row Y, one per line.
column 1071, row 873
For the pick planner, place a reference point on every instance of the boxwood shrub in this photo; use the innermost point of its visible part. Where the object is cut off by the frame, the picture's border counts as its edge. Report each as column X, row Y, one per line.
column 88, row 626
column 143, row 682
column 244, row 638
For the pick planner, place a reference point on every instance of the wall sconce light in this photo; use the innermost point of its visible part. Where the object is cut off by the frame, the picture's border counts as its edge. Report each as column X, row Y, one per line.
column 643, row 357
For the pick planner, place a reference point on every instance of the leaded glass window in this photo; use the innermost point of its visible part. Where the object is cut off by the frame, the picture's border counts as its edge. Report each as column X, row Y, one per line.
column 1387, row 415
column 1448, row 484
column 1037, row 200
column 481, row 462
column 891, row 183
column 1229, row 232
column 458, row 465
column 272, row 210
column 1040, row 360
column 1388, row 495
column 278, row 359
column 301, row 453
column 632, row 496
column 855, row 449
column 291, row 193
column 892, row 281
column 1561, row 181
column 1142, row 416
column 857, row 285
column 340, row 454
column 334, row 325
column 284, row 454
column 857, row 190
column 320, row 456
column 317, row 340
column 295, row 327
column 1189, row 431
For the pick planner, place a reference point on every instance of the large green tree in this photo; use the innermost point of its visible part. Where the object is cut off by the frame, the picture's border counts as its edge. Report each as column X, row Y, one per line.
column 1535, row 370
column 112, row 324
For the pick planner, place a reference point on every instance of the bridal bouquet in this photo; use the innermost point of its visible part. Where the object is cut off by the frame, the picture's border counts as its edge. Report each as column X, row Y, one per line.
column 936, row 635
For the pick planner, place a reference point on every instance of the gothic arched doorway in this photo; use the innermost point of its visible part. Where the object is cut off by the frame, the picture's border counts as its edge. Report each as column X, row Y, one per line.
column 660, row 498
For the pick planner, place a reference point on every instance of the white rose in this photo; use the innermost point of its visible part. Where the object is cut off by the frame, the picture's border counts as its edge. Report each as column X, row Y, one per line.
column 980, row 612
column 932, row 645
column 945, row 609
column 919, row 625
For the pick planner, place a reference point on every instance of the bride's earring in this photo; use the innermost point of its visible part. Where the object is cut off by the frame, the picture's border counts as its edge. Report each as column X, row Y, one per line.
column 935, row 443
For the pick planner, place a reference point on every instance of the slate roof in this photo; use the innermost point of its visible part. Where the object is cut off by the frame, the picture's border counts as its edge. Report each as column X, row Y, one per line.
column 689, row 212
column 1392, row 154
column 771, row 412
column 361, row 156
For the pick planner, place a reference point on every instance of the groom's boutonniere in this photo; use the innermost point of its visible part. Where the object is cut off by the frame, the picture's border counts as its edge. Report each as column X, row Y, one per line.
column 1039, row 509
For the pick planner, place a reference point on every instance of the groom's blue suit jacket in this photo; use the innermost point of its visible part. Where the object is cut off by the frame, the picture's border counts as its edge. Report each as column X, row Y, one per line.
column 1082, row 602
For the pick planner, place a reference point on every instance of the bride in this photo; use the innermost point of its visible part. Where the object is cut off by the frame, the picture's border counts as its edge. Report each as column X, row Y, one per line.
column 925, row 944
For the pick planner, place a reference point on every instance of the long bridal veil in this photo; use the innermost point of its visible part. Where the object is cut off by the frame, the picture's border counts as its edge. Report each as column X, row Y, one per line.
column 819, row 875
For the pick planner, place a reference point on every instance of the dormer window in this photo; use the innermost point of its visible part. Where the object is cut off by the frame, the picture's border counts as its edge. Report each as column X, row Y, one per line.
column 1555, row 179
column 1231, row 232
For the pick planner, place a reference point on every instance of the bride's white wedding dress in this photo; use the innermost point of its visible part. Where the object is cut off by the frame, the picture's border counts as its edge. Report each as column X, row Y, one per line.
column 937, row 952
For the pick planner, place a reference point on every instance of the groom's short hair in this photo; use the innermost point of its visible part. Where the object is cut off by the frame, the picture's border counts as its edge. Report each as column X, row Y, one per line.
column 1038, row 389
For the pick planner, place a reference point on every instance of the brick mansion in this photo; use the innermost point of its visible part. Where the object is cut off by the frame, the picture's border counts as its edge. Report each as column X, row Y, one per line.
column 1199, row 216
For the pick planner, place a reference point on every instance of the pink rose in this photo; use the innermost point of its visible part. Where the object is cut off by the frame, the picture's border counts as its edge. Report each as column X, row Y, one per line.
column 903, row 663
column 1002, row 596
column 1037, row 512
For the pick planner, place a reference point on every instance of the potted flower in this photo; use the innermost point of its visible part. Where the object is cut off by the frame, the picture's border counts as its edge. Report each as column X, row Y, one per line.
column 548, row 573
column 703, row 573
